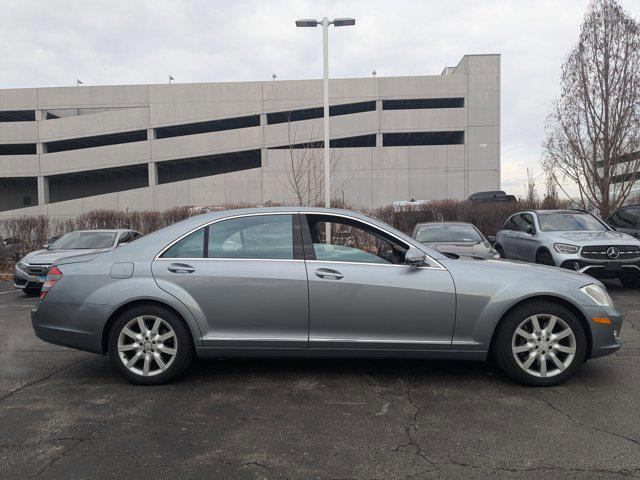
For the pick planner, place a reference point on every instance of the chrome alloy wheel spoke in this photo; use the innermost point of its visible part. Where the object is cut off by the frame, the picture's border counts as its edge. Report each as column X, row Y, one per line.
column 147, row 345
column 543, row 345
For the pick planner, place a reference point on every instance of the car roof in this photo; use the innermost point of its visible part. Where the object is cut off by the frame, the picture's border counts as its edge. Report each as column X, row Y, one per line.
column 104, row 230
column 444, row 223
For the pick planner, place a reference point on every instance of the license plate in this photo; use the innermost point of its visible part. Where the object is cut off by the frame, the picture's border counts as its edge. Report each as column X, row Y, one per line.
column 41, row 278
column 613, row 266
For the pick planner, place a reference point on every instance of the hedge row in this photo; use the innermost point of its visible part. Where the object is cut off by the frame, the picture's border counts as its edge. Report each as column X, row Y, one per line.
column 34, row 231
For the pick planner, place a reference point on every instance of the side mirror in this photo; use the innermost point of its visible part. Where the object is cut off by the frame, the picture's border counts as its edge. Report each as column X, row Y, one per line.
column 414, row 257
column 530, row 230
column 492, row 239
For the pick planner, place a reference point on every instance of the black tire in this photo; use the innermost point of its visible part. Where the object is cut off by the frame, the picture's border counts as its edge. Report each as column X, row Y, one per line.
column 500, row 251
column 544, row 258
column 630, row 281
column 32, row 292
column 502, row 342
column 183, row 344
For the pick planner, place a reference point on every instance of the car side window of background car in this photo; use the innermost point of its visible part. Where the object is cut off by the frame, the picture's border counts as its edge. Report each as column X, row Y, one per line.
column 527, row 221
column 352, row 241
column 257, row 236
column 626, row 218
column 191, row 246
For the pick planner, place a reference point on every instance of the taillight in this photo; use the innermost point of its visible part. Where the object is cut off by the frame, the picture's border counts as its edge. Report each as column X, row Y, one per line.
column 53, row 275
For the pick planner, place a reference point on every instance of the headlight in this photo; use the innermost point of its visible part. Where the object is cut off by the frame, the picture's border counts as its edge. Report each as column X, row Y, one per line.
column 21, row 265
column 565, row 248
column 597, row 294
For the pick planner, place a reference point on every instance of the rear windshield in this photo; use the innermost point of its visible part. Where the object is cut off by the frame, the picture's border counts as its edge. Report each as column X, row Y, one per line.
column 82, row 240
column 569, row 222
column 447, row 233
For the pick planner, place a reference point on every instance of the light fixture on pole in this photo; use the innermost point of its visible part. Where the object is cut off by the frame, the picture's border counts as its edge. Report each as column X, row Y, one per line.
column 325, row 22
column 273, row 77
column 79, row 82
column 171, row 79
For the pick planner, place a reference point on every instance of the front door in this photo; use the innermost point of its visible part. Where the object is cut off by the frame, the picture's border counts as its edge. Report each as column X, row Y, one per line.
column 363, row 297
column 244, row 279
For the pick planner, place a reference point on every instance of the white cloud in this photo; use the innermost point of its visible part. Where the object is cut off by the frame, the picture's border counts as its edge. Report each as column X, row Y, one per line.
column 122, row 41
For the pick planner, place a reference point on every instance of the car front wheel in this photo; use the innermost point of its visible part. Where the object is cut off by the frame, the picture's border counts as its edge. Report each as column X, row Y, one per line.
column 150, row 345
column 540, row 343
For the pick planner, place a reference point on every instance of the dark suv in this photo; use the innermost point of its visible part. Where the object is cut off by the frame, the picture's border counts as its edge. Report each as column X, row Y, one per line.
column 626, row 220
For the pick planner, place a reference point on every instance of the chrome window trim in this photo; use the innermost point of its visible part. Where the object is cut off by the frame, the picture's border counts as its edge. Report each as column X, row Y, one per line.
column 402, row 265
column 437, row 265
column 175, row 259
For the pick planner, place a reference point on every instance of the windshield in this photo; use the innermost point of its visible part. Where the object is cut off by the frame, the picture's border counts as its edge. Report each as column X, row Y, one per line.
column 569, row 222
column 82, row 240
column 448, row 233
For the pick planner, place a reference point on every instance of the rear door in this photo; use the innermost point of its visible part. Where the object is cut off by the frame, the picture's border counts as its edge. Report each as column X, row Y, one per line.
column 363, row 297
column 245, row 278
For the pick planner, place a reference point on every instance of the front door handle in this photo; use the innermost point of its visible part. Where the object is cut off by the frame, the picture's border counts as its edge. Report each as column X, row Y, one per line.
column 328, row 273
column 181, row 268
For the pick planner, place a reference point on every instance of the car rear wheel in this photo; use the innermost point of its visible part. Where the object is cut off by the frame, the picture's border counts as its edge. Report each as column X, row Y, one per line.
column 150, row 345
column 545, row 258
column 540, row 344
column 630, row 281
column 500, row 251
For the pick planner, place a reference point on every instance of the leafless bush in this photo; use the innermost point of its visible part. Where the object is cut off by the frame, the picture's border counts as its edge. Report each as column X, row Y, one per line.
column 34, row 231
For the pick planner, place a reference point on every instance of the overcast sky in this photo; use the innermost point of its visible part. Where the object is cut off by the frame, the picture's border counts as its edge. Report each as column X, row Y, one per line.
column 51, row 43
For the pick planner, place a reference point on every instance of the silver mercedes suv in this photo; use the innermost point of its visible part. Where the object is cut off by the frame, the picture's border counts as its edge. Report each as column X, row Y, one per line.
column 571, row 239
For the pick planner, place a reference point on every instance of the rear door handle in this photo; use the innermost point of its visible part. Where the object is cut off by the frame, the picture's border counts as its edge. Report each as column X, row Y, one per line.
column 328, row 273
column 181, row 268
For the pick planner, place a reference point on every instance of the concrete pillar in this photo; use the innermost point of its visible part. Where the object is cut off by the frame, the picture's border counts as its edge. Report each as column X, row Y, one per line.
column 378, row 140
column 153, row 174
column 43, row 190
column 379, row 135
column 38, row 115
column 151, row 134
column 263, row 119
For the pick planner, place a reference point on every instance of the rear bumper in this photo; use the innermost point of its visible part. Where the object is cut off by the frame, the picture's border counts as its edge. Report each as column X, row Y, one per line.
column 69, row 325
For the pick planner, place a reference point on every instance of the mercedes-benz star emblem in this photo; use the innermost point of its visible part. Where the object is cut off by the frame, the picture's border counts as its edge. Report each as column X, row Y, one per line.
column 613, row 252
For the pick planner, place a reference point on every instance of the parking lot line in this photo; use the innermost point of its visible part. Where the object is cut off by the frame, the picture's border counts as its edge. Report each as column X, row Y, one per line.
column 10, row 291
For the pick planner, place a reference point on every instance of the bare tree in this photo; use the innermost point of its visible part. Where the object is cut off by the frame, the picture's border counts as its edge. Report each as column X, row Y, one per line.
column 304, row 170
column 532, row 193
column 594, row 126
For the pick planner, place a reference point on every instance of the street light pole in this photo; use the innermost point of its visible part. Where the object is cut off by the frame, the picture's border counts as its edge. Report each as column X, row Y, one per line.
column 325, row 22
column 327, row 137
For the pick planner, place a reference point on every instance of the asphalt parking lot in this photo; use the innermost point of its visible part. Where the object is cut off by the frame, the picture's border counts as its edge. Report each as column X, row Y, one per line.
column 67, row 414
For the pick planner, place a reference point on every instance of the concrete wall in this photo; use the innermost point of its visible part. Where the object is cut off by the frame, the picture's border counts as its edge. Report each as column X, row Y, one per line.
column 367, row 177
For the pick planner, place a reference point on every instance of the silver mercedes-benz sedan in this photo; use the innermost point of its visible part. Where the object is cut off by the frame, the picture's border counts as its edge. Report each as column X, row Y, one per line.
column 318, row 282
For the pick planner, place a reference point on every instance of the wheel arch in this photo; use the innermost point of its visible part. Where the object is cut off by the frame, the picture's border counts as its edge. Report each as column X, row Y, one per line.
column 549, row 298
column 135, row 303
column 543, row 248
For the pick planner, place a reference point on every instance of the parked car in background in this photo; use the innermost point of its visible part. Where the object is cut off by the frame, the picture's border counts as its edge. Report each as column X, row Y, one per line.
column 268, row 281
column 497, row 196
column 458, row 238
column 626, row 220
column 30, row 272
column 10, row 248
column 571, row 239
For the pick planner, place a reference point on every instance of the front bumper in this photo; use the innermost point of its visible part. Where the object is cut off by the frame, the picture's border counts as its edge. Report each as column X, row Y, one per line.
column 599, row 268
column 605, row 338
column 24, row 280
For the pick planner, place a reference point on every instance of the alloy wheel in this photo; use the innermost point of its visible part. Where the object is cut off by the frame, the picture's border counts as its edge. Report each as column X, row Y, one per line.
column 147, row 345
column 543, row 345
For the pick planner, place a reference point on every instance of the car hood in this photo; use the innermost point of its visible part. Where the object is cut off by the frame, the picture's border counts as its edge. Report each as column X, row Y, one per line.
column 50, row 256
column 503, row 271
column 593, row 237
column 471, row 249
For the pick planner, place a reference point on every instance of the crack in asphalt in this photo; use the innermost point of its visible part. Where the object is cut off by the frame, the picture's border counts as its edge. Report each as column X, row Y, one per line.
column 583, row 424
column 410, row 431
column 66, row 451
column 41, row 379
